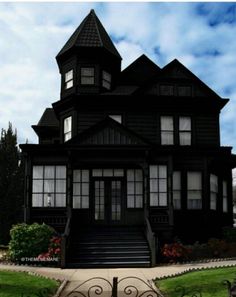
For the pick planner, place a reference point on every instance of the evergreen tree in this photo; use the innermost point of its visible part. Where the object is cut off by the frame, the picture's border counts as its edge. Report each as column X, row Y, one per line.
column 11, row 183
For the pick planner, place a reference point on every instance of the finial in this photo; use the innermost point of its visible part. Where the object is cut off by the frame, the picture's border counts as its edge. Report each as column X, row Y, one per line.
column 92, row 11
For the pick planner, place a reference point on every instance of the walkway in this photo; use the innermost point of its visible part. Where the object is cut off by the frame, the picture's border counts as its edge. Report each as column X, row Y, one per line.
column 76, row 276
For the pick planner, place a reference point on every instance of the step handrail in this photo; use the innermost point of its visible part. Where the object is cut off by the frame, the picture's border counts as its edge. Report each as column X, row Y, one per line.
column 150, row 236
column 64, row 239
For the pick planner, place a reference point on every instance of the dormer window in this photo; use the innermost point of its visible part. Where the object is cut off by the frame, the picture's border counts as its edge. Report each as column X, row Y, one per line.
column 69, row 79
column 106, row 80
column 87, row 76
column 67, row 128
column 116, row 117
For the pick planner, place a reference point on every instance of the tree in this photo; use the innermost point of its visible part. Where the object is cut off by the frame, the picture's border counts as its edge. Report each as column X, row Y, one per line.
column 11, row 183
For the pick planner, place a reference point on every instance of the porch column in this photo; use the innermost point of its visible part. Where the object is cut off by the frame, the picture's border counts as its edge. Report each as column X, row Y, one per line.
column 145, row 168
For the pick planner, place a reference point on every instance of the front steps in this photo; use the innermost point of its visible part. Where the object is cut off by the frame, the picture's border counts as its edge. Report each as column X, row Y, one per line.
column 108, row 247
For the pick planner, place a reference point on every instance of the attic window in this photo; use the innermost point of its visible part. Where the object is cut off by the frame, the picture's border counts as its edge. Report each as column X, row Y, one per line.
column 184, row 91
column 106, row 80
column 166, row 90
column 116, row 117
column 67, row 128
column 87, row 76
column 69, row 79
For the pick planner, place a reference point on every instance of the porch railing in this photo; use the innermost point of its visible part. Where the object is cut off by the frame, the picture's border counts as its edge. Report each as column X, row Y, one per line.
column 150, row 235
column 64, row 239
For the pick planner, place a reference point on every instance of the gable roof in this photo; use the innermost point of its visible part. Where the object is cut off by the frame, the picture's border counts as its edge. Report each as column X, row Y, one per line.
column 90, row 33
column 140, row 71
column 107, row 132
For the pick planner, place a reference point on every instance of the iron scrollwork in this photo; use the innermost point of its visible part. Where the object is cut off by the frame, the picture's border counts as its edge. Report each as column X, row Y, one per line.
column 127, row 286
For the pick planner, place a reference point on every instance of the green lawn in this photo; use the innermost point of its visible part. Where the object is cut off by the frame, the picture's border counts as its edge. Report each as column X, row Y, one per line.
column 19, row 284
column 208, row 282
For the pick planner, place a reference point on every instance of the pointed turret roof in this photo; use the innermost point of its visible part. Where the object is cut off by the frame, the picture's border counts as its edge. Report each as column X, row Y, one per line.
column 90, row 33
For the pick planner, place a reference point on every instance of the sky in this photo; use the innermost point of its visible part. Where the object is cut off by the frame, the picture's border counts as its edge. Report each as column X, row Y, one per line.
column 201, row 35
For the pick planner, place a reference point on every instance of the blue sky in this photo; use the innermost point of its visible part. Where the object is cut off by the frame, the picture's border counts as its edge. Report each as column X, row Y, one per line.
column 200, row 35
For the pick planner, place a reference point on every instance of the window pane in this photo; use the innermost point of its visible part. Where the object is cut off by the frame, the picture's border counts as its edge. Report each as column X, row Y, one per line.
column 214, row 183
column 130, row 201
column 130, row 188
column 87, row 80
column 97, row 172
column 69, row 75
column 153, row 171
column 60, row 186
column 139, row 201
column 106, row 84
column 194, row 181
column 130, row 175
column 118, row 172
column 67, row 124
column 37, row 200
column 153, row 199
column 49, row 172
column 69, row 84
column 163, row 199
column 185, row 124
column 224, row 188
column 49, row 200
column 138, row 175
column 153, row 185
column 37, row 186
column 87, row 71
column 225, row 204
column 76, row 188
column 106, row 76
column 166, row 90
column 167, row 138
column 213, row 201
column 61, row 172
column 176, row 180
column 177, row 204
column 194, row 204
column 60, row 200
column 37, row 171
column 108, row 172
column 162, row 171
column 85, row 175
column 76, row 202
column 76, row 175
column 85, row 202
column 167, row 123
column 85, row 189
column 67, row 136
column 48, row 186
column 194, row 195
column 139, row 188
column 162, row 185
column 185, row 138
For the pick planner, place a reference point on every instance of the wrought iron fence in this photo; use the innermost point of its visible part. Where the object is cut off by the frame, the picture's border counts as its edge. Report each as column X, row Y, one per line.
column 133, row 286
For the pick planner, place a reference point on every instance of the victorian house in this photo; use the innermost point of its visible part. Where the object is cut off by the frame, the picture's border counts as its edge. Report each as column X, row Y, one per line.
column 127, row 159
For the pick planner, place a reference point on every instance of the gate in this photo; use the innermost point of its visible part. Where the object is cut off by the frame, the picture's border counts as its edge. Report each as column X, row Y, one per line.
column 131, row 286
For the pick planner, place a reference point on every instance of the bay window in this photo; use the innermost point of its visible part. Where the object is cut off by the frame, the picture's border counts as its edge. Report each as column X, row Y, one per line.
column 69, row 79
column 106, row 80
column 87, row 76
column 49, row 186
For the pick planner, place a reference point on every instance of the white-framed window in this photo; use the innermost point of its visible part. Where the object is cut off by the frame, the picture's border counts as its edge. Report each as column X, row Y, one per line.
column 49, row 186
column 214, row 191
column 194, row 190
column 167, row 130
column 67, row 128
column 69, row 79
column 81, row 188
column 87, row 76
column 106, row 80
column 176, row 184
column 158, row 185
column 225, row 197
column 134, row 188
column 116, row 117
column 185, row 131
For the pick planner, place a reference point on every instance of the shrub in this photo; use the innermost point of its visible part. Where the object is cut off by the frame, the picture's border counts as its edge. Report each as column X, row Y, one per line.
column 229, row 234
column 175, row 252
column 29, row 241
column 217, row 247
column 54, row 250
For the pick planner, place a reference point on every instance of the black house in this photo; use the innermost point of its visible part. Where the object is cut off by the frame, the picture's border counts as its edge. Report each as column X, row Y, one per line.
column 127, row 158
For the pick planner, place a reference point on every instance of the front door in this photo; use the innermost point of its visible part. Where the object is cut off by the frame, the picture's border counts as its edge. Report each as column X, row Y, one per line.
column 108, row 201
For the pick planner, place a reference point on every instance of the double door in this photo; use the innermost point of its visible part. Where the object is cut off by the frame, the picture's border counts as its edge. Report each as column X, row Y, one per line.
column 108, row 201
